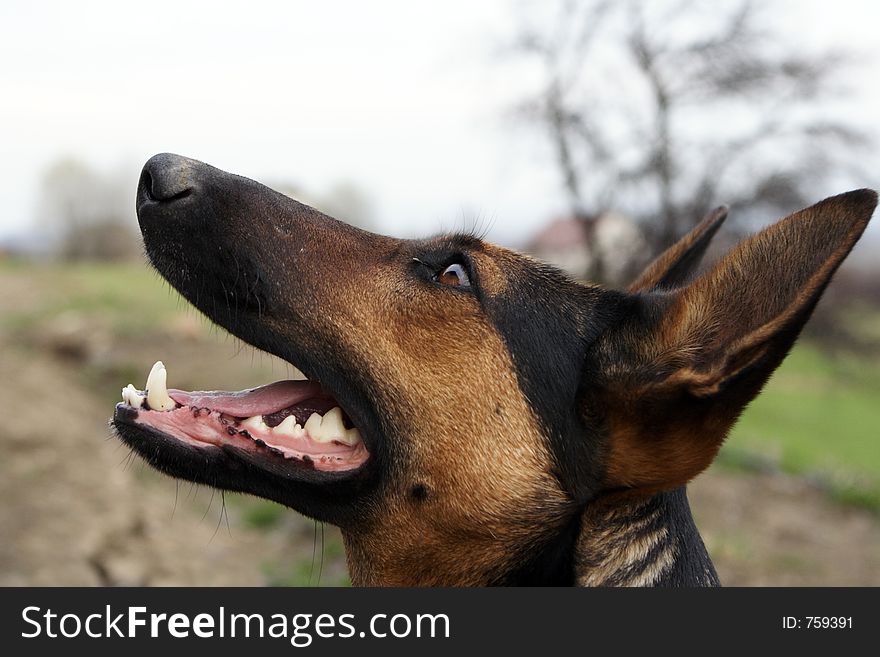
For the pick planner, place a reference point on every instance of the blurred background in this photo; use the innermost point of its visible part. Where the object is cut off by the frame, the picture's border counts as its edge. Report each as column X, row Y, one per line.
column 591, row 134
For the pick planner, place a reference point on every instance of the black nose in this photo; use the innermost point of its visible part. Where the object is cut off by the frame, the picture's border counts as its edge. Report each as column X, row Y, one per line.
column 167, row 177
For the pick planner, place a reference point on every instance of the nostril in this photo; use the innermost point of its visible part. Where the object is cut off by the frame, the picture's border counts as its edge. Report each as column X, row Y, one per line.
column 147, row 183
column 167, row 177
column 181, row 194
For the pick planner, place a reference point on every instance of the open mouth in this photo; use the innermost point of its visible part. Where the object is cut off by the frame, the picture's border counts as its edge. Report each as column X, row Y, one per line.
column 290, row 423
column 250, row 260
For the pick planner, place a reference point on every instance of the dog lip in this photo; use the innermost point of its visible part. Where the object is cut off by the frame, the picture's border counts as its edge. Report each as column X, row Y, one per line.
column 125, row 413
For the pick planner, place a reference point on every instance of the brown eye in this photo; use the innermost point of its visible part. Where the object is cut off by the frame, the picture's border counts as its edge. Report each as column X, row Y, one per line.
column 454, row 275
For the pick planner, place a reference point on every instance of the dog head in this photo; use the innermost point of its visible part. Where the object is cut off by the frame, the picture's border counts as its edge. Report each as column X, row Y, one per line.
column 494, row 398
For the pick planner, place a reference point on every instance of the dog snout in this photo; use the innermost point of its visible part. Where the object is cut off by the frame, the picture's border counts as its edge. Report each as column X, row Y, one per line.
column 167, row 177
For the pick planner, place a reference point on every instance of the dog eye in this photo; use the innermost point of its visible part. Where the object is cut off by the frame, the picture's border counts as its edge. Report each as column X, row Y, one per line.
column 454, row 275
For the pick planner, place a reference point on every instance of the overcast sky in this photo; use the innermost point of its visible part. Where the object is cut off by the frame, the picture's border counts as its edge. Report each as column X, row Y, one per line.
column 406, row 99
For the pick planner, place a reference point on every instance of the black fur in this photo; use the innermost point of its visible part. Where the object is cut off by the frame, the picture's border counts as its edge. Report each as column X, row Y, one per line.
column 692, row 565
column 548, row 323
column 551, row 563
column 683, row 269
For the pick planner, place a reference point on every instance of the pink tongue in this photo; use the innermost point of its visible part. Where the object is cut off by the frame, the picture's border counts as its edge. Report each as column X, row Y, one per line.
column 264, row 400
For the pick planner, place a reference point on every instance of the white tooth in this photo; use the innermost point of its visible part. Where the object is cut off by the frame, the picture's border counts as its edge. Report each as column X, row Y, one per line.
column 289, row 427
column 351, row 437
column 254, row 423
column 132, row 397
column 297, row 375
column 157, row 390
column 313, row 426
column 331, row 426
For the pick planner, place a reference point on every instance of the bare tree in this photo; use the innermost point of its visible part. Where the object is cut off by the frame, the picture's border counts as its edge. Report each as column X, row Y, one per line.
column 663, row 109
column 86, row 215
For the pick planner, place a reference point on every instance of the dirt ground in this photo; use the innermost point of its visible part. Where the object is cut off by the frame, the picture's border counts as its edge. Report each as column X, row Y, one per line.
column 76, row 510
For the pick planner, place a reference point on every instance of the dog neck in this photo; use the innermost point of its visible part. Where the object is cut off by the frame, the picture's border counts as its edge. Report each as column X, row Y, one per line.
column 619, row 541
column 642, row 542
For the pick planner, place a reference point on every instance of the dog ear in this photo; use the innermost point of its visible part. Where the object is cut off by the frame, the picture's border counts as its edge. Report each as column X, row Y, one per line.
column 678, row 370
column 675, row 266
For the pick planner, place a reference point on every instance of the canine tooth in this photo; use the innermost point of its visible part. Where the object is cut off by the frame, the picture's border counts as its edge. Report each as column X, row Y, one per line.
column 132, row 397
column 157, row 389
column 254, row 423
column 351, row 437
column 313, row 426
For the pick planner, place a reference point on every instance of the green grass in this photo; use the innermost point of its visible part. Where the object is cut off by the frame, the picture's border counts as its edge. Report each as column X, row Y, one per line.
column 263, row 514
column 112, row 320
column 310, row 572
column 129, row 297
column 820, row 416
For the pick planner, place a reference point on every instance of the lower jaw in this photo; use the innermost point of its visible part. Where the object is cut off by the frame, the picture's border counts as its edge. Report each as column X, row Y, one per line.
column 337, row 497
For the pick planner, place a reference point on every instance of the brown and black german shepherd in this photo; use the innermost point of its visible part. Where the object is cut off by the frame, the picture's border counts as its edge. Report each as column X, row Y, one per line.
column 472, row 416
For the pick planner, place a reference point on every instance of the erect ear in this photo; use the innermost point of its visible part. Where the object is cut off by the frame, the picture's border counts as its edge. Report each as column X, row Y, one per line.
column 675, row 266
column 678, row 370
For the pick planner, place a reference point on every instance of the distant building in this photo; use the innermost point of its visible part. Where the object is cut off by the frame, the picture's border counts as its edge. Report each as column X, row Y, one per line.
column 565, row 242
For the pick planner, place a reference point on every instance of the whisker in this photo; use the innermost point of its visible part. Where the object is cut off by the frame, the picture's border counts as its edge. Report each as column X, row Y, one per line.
column 321, row 566
column 226, row 513
column 219, row 522
column 125, row 459
column 176, row 495
column 210, row 502
column 314, row 548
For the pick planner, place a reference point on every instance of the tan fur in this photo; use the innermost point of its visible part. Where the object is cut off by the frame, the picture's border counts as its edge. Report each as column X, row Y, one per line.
column 653, row 456
column 492, row 265
column 731, row 320
column 612, row 543
column 472, row 440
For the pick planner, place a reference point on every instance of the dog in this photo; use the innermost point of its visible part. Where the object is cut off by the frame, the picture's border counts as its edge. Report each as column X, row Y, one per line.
column 471, row 416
